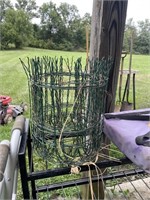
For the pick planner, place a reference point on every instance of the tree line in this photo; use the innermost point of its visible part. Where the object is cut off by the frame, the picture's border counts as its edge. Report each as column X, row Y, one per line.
column 59, row 27
column 139, row 35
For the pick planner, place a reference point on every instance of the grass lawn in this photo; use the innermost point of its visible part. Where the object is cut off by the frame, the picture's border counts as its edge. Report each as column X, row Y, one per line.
column 13, row 81
column 141, row 64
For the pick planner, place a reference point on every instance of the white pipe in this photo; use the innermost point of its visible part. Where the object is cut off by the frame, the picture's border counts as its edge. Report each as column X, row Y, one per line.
column 2, row 189
column 14, row 192
column 4, row 151
column 12, row 163
column 8, row 185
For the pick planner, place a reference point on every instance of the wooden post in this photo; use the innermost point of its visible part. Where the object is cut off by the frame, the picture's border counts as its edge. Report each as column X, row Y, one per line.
column 107, row 39
column 107, row 30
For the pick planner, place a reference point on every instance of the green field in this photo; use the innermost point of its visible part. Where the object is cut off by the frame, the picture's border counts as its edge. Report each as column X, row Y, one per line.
column 141, row 64
column 13, row 81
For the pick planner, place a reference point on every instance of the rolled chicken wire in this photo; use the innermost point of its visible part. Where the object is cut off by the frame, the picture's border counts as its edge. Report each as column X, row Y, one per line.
column 67, row 104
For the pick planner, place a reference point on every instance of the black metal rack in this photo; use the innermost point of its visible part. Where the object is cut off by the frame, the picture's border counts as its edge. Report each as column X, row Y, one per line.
column 119, row 172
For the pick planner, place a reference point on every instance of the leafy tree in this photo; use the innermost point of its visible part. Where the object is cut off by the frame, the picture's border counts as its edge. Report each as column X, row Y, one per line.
column 4, row 5
column 143, row 40
column 70, row 21
column 87, row 19
column 15, row 29
column 28, row 6
column 80, row 37
column 63, row 25
column 50, row 19
column 130, row 34
column 69, row 13
column 140, row 35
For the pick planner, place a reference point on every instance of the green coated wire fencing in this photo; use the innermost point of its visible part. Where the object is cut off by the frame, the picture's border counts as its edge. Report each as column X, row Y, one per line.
column 67, row 105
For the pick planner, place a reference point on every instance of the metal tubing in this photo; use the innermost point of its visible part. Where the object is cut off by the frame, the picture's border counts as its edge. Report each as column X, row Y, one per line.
column 22, row 162
column 127, row 113
column 4, row 151
column 30, row 159
column 86, row 180
column 67, row 170
column 126, row 86
column 2, row 189
column 14, row 193
column 23, row 174
column 10, row 174
column 19, row 123
column 129, row 117
column 12, row 163
column 134, row 103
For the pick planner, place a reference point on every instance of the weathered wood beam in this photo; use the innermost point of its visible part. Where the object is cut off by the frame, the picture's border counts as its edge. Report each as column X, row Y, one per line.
column 107, row 30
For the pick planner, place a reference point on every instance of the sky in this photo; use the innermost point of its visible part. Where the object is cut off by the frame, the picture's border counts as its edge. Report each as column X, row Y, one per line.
column 137, row 9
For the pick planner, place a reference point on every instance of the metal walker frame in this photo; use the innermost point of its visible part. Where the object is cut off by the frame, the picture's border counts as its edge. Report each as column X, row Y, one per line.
column 29, row 176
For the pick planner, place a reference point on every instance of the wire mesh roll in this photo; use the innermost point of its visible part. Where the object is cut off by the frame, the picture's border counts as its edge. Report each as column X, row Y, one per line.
column 67, row 105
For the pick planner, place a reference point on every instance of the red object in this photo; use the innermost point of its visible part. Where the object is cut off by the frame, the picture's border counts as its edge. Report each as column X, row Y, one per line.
column 10, row 111
column 5, row 100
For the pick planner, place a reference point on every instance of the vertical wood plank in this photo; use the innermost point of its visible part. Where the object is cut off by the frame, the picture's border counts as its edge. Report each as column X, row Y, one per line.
column 107, row 30
column 107, row 39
